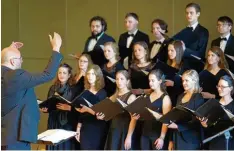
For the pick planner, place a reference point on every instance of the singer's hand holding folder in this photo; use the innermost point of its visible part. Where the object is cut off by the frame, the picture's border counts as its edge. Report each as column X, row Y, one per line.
column 108, row 108
column 85, row 98
column 51, row 102
column 54, row 136
column 212, row 110
column 138, row 107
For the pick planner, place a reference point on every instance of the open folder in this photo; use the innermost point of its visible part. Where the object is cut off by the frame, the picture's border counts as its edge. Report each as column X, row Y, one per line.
column 167, row 70
column 176, row 115
column 51, row 102
column 212, row 110
column 54, row 136
column 108, row 108
column 138, row 107
column 86, row 98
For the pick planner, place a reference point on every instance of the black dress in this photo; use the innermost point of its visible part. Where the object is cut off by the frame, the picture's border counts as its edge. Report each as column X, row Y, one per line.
column 119, row 128
column 110, row 86
column 219, row 143
column 208, row 81
column 59, row 119
column 93, row 131
column 139, row 79
column 152, row 128
column 189, row 134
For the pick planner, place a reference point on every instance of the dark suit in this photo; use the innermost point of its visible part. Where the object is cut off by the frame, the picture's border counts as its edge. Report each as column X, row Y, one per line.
column 162, row 54
column 229, row 50
column 97, row 54
column 196, row 43
column 20, row 112
column 127, row 52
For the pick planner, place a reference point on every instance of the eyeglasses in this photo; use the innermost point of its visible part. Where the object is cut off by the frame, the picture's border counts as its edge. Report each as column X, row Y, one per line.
column 221, row 87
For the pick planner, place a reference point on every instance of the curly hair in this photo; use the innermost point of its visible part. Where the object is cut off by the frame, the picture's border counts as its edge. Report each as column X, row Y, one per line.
column 101, row 19
column 69, row 69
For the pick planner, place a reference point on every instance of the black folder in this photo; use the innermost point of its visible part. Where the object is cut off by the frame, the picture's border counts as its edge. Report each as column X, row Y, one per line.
column 169, row 71
column 85, row 98
column 51, row 102
column 212, row 110
column 176, row 115
column 138, row 107
column 108, row 108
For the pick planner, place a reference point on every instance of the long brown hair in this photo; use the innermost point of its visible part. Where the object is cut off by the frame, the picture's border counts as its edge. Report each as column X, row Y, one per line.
column 178, row 46
column 99, row 83
column 222, row 61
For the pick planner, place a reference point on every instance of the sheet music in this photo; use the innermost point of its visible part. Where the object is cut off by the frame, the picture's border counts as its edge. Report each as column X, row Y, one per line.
column 73, row 55
column 102, row 46
column 89, row 104
column 111, row 79
column 230, row 57
column 155, row 114
column 229, row 114
column 122, row 103
column 145, row 72
column 125, row 63
column 55, row 135
column 39, row 101
column 196, row 57
column 56, row 93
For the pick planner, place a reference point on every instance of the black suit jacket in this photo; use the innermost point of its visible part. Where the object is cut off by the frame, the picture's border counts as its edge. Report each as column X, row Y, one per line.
column 127, row 52
column 196, row 43
column 20, row 113
column 162, row 54
column 229, row 50
column 97, row 54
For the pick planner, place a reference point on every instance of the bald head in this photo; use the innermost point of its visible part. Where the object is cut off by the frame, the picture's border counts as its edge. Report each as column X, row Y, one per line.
column 10, row 57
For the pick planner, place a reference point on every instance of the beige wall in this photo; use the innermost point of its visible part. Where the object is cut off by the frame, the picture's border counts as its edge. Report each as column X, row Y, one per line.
column 30, row 21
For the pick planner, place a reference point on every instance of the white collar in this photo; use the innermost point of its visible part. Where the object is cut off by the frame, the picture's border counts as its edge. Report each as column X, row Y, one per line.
column 133, row 32
column 194, row 25
column 228, row 35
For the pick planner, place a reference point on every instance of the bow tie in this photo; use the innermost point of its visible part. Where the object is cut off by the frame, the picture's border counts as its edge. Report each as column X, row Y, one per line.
column 225, row 39
column 132, row 35
column 157, row 42
column 190, row 28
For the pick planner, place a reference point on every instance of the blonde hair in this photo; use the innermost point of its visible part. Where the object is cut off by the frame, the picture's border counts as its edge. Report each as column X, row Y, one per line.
column 195, row 77
column 222, row 61
column 115, row 48
column 99, row 83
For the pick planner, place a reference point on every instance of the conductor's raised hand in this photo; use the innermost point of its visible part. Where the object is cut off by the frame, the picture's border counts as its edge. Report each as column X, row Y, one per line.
column 16, row 45
column 56, row 41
